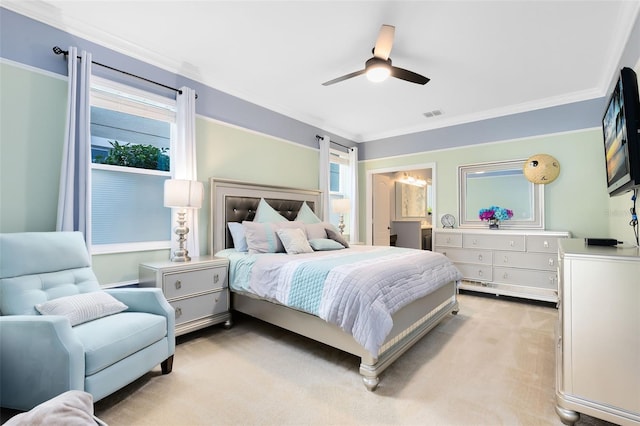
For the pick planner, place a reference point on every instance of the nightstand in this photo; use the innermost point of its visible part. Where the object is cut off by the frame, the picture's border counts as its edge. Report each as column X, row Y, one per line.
column 197, row 290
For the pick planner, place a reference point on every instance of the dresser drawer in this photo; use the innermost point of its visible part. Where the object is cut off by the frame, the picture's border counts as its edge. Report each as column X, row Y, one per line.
column 180, row 284
column 516, row 259
column 494, row 242
column 475, row 272
column 526, row 277
column 193, row 308
column 483, row 257
column 542, row 244
column 448, row 240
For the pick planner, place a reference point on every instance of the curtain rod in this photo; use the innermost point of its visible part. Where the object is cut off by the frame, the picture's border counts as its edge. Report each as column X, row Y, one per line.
column 58, row 51
column 318, row 137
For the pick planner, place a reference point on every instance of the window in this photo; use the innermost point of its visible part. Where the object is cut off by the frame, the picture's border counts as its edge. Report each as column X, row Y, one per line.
column 130, row 160
column 339, row 184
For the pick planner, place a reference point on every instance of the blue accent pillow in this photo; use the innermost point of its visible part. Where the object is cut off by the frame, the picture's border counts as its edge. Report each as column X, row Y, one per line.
column 267, row 214
column 306, row 215
column 322, row 244
column 237, row 234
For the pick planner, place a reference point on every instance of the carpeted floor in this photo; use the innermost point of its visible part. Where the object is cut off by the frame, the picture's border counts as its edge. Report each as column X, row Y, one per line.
column 492, row 364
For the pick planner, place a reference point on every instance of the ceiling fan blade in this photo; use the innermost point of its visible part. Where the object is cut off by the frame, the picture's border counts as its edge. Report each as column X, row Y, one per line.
column 407, row 75
column 384, row 43
column 344, row 77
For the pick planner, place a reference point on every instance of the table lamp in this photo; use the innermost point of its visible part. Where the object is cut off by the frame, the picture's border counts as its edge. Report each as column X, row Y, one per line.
column 182, row 194
column 341, row 206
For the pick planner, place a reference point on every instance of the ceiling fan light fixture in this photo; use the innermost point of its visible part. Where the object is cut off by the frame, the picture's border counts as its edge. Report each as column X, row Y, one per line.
column 378, row 73
column 378, row 69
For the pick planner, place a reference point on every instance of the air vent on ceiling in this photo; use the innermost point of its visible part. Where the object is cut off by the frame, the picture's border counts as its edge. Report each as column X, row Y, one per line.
column 434, row 113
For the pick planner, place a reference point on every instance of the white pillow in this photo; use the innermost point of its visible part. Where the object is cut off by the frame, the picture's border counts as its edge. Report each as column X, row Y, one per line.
column 82, row 307
column 262, row 237
column 317, row 230
column 294, row 240
column 306, row 215
column 266, row 214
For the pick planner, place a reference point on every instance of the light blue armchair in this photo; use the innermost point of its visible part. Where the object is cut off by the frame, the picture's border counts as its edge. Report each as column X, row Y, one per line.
column 42, row 356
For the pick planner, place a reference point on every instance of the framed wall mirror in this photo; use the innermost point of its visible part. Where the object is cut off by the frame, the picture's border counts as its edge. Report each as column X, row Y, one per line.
column 500, row 184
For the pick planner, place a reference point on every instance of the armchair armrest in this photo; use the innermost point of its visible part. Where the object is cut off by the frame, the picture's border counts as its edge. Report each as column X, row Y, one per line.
column 150, row 300
column 38, row 349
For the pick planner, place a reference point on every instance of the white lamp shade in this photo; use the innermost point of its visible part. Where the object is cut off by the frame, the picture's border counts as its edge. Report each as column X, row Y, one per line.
column 342, row 205
column 182, row 193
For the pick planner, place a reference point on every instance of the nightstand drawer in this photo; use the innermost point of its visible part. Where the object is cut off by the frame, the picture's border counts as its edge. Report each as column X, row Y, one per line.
column 180, row 284
column 197, row 307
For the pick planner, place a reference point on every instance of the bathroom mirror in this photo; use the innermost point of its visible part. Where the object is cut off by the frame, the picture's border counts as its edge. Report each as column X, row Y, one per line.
column 500, row 184
column 411, row 201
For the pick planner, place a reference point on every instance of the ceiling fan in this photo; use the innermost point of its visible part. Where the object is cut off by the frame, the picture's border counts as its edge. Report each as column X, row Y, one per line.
column 379, row 67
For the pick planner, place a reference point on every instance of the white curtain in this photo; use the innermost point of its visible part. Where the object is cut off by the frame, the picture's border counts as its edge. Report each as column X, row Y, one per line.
column 354, row 194
column 183, row 161
column 74, row 197
column 323, row 177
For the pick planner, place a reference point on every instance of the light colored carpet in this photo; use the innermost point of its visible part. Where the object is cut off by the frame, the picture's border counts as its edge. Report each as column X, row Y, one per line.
column 492, row 364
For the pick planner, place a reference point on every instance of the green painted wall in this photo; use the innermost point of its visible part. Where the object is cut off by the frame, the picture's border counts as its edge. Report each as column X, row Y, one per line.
column 576, row 201
column 229, row 152
column 31, row 130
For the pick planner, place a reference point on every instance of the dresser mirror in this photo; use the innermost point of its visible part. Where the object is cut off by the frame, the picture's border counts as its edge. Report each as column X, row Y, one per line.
column 501, row 184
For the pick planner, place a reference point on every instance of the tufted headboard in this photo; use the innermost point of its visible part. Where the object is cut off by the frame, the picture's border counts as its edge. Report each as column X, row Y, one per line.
column 235, row 201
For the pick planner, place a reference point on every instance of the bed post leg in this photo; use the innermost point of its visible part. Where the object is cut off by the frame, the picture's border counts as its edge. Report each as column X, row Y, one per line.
column 371, row 383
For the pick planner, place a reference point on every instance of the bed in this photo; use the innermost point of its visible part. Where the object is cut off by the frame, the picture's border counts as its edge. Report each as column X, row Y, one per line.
column 235, row 201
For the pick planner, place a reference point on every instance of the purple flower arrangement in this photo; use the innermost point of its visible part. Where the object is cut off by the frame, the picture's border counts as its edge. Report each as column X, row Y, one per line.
column 496, row 213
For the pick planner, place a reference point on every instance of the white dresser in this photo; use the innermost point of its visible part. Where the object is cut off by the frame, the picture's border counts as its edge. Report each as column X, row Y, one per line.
column 197, row 290
column 598, row 334
column 504, row 262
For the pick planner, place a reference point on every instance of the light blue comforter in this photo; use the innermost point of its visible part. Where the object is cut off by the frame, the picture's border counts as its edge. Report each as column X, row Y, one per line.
column 357, row 289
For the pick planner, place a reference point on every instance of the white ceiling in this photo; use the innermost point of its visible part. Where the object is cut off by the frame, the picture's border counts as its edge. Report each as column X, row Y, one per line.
column 485, row 58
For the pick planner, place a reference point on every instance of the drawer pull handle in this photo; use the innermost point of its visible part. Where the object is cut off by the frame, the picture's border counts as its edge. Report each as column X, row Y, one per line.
column 506, row 259
column 551, row 262
column 479, row 272
column 546, row 244
column 216, row 300
column 448, row 239
column 512, row 243
column 216, row 278
column 178, row 312
column 475, row 241
column 480, row 257
column 178, row 284
column 505, row 276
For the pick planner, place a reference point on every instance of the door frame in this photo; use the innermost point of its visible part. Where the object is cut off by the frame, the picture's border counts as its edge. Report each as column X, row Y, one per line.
column 369, row 192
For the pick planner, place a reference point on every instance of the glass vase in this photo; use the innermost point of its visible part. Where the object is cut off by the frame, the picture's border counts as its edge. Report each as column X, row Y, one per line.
column 494, row 224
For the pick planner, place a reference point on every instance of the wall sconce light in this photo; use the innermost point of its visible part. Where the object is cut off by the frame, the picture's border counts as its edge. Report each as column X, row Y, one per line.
column 182, row 194
column 341, row 206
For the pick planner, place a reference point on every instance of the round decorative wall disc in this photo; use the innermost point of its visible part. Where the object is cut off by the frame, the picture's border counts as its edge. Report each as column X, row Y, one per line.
column 541, row 168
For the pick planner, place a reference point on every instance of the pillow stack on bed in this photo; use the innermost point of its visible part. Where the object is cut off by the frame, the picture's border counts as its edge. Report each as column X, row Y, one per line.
column 270, row 232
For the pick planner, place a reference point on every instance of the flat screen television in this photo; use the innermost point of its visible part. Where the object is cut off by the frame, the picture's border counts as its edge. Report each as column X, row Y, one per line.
column 620, row 125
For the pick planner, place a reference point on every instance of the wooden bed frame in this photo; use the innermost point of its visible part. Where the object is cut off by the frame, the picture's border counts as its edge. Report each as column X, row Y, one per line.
column 234, row 201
